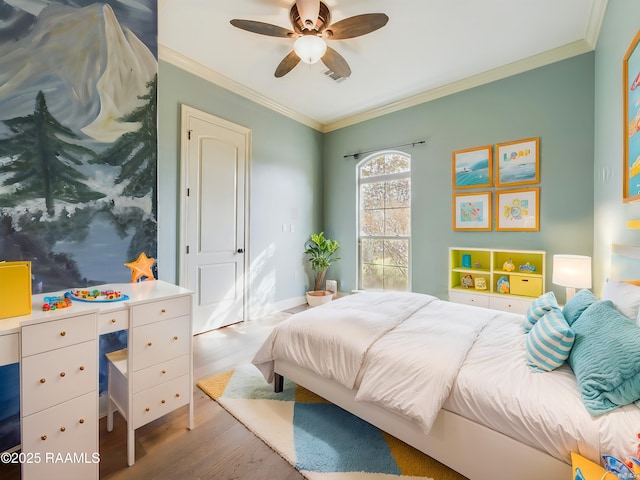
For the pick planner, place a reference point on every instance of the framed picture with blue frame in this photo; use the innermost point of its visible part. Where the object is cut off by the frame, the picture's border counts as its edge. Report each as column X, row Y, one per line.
column 631, row 123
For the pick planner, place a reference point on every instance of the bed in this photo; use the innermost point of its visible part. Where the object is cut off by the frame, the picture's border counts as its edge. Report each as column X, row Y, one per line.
column 456, row 381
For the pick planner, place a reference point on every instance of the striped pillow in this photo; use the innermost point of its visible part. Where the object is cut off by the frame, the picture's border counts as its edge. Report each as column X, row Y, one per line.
column 549, row 342
column 538, row 308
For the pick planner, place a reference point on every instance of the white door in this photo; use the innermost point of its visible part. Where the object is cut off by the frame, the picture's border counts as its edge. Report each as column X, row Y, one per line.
column 215, row 156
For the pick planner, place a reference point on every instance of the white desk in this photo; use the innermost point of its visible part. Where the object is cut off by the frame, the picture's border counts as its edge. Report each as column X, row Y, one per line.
column 58, row 352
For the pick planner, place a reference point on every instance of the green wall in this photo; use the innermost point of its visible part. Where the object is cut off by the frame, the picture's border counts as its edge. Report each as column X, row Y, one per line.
column 555, row 103
column 285, row 184
column 620, row 25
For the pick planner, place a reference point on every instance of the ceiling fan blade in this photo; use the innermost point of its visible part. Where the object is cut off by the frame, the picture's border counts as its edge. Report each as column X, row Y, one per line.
column 262, row 28
column 287, row 64
column 356, row 26
column 336, row 63
column 309, row 11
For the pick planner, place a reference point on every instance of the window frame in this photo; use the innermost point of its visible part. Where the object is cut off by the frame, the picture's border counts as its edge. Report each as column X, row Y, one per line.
column 374, row 179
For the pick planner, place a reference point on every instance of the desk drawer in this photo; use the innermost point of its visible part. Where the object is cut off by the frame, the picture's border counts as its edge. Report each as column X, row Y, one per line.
column 9, row 352
column 55, row 334
column 160, row 310
column 113, row 321
column 160, row 400
column 474, row 299
column 69, row 428
column 160, row 373
column 161, row 341
column 53, row 377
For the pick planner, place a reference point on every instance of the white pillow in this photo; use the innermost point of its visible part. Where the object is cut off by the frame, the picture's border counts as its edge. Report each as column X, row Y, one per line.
column 625, row 297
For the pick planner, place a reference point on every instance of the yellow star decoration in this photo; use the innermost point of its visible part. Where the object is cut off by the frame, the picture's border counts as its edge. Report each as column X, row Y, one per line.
column 141, row 267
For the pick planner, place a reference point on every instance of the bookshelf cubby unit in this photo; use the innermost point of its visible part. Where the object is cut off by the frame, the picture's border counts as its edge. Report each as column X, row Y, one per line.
column 501, row 279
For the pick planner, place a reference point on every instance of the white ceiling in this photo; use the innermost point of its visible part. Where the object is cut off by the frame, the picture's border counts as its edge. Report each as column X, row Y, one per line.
column 429, row 48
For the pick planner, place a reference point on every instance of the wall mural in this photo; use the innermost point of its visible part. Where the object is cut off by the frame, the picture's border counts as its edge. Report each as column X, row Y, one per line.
column 78, row 154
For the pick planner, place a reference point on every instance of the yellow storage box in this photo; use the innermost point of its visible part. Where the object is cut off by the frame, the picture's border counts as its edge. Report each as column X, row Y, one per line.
column 15, row 289
column 526, row 286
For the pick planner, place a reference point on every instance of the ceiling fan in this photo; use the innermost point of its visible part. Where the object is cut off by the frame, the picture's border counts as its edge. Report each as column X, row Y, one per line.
column 310, row 20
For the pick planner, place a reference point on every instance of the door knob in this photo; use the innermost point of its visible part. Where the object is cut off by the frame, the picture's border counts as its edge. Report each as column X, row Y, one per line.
column 241, row 250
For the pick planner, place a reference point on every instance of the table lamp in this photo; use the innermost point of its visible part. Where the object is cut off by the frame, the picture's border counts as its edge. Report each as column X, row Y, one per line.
column 572, row 271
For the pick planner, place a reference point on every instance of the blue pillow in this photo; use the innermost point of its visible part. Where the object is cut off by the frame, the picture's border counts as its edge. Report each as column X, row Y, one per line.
column 578, row 304
column 605, row 358
column 549, row 342
column 538, row 308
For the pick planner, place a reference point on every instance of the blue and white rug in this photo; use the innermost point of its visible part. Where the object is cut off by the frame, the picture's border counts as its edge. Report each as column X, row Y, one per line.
column 319, row 439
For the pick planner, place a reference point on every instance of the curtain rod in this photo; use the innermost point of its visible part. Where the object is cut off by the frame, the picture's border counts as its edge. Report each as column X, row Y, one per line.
column 412, row 144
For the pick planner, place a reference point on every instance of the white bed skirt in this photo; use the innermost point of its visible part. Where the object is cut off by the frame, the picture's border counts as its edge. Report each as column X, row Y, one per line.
column 467, row 447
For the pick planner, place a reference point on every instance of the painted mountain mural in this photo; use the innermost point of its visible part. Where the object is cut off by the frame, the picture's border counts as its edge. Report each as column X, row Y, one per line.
column 78, row 138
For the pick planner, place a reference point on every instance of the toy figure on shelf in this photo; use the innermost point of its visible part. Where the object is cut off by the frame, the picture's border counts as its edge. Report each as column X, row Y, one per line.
column 467, row 281
column 527, row 267
column 508, row 266
column 503, row 285
column 477, row 265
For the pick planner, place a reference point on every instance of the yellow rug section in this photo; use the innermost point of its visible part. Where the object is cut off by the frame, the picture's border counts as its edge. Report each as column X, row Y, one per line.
column 215, row 386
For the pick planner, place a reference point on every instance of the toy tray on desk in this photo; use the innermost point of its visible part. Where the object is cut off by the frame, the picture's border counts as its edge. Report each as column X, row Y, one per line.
column 96, row 296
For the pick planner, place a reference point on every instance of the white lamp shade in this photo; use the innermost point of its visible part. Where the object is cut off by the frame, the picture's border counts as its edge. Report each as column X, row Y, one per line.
column 310, row 48
column 572, row 271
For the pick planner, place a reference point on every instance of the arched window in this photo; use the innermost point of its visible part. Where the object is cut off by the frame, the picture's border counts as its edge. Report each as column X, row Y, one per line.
column 384, row 221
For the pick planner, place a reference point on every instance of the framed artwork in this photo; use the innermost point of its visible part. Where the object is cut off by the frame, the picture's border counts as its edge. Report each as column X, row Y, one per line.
column 518, row 210
column 631, row 127
column 518, row 162
column 473, row 167
column 472, row 211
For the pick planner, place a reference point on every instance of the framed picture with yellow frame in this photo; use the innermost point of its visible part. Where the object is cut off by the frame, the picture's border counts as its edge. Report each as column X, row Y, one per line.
column 472, row 211
column 518, row 210
column 517, row 163
column 631, row 126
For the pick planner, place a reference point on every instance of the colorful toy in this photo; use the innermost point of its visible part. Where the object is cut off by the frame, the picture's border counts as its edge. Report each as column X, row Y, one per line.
column 467, row 281
column 508, row 266
column 503, row 285
column 56, row 303
column 527, row 267
column 96, row 295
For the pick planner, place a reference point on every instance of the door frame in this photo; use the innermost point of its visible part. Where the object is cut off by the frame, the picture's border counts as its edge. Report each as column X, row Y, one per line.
column 187, row 112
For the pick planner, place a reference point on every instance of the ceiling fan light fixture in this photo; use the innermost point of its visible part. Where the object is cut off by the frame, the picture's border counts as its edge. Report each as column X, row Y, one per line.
column 310, row 48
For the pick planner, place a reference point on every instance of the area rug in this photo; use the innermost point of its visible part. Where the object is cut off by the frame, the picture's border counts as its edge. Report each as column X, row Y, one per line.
column 322, row 441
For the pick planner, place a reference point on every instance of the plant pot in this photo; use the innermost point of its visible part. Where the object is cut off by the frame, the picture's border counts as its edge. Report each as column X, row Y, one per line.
column 318, row 297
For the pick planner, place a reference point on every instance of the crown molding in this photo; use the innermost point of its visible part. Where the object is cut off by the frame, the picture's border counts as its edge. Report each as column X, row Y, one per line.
column 177, row 59
column 545, row 58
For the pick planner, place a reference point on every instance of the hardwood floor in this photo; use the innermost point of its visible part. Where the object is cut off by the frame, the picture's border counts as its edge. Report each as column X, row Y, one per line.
column 218, row 448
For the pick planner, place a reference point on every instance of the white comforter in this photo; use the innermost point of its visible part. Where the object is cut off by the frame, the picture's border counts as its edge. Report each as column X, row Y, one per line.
column 401, row 351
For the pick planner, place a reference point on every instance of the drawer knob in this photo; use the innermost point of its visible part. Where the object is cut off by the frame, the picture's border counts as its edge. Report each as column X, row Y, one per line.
column 62, row 374
column 163, row 310
column 177, row 395
column 63, row 333
column 147, row 409
column 163, row 401
column 62, row 429
column 43, row 437
column 81, row 420
column 81, row 368
column 149, row 344
column 175, row 337
column 113, row 320
column 42, row 380
column 163, row 372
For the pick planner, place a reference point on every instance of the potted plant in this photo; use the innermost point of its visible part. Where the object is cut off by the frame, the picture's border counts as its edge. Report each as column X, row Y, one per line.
column 322, row 253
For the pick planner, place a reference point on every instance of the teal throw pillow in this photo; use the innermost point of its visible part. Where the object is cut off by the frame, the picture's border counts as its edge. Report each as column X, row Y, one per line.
column 538, row 308
column 605, row 358
column 549, row 342
column 578, row 304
